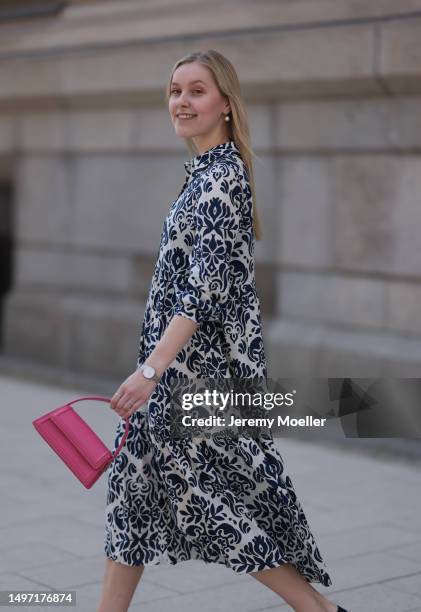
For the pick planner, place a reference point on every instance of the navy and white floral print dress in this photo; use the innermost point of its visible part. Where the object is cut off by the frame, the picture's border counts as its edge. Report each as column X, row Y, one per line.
column 220, row 500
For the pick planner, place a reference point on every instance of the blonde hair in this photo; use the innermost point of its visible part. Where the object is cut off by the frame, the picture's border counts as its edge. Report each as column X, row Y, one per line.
column 228, row 84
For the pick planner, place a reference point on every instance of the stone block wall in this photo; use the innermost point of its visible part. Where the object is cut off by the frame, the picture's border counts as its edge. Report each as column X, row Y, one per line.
column 333, row 91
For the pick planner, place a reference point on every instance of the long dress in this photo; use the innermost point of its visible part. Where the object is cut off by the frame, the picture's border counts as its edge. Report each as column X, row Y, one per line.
column 218, row 499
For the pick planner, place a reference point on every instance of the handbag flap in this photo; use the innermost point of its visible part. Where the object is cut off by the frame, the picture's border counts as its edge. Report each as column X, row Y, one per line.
column 83, row 438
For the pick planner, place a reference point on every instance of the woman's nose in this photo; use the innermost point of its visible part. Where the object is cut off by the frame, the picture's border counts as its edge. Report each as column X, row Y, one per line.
column 182, row 101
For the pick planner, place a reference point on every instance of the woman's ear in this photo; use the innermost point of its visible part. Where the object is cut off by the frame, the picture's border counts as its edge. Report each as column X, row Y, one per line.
column 227, row 108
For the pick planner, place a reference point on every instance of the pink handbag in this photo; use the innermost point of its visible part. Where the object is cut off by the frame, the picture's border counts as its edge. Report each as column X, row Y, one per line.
column 76, row 443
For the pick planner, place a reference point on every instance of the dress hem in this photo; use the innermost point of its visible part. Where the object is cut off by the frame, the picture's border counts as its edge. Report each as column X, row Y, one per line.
column 166, row 561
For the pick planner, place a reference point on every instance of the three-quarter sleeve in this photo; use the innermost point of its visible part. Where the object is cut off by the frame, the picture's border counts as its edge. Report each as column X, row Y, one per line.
column 217, row 216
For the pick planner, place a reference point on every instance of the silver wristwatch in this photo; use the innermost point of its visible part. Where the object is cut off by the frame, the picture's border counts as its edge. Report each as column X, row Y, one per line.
column 149, row 372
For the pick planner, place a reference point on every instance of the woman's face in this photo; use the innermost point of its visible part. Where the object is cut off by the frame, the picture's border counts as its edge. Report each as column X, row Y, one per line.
column 194, row 92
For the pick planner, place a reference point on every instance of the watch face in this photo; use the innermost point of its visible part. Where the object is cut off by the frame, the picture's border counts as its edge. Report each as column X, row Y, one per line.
column 148, row 371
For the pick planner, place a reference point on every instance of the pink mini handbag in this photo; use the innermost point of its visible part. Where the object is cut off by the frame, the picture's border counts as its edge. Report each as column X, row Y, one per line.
column 76, row 443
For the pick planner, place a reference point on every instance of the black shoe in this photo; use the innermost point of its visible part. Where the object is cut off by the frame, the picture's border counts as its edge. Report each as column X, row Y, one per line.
column 341, row 609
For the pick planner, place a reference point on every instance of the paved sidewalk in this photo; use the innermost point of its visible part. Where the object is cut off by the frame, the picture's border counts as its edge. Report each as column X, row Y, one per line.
column 364, row 512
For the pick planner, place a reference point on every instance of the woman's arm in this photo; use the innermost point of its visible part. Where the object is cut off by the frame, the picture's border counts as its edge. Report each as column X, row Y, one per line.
column 136, row 389
column 218, row 214
column 176, row 335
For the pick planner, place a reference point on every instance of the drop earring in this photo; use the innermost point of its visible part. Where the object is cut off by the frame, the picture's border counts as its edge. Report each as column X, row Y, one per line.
column 227, row 118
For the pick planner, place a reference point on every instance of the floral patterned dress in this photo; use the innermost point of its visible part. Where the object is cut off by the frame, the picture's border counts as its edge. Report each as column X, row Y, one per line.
column 220, row 500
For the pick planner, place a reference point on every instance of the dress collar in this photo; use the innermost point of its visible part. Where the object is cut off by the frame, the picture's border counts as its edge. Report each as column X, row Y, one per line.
column 202, row 161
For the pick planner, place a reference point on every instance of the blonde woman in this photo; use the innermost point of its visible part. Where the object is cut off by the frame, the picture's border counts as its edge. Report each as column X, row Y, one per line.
column 217, row 500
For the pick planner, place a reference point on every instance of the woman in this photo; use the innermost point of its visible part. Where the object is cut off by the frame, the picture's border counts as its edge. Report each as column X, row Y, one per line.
column 218, row 500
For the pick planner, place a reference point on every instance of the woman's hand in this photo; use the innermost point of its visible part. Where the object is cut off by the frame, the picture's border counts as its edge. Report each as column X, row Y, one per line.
column 132, row 394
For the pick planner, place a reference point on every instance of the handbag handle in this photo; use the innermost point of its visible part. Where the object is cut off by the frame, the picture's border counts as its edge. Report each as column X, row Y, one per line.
column 105, row 399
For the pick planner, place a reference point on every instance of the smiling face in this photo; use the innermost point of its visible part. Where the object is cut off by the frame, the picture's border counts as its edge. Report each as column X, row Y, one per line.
column 194, row 92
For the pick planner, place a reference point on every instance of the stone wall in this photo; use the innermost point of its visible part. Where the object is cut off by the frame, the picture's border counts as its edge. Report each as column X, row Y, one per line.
column 333, row 91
